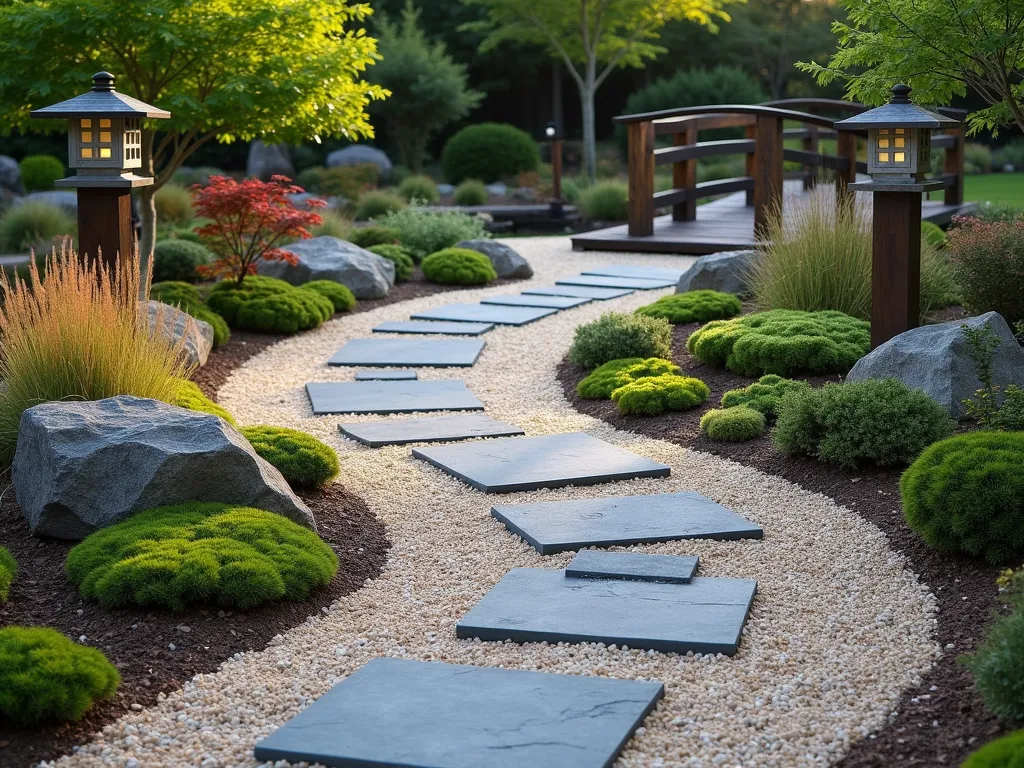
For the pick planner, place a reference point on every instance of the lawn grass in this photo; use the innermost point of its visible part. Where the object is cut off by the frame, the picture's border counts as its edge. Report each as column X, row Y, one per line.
column 1001, row 188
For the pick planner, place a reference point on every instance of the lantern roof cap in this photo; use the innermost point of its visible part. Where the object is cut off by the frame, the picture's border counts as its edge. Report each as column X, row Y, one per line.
column 900, row 112
column 101, row 101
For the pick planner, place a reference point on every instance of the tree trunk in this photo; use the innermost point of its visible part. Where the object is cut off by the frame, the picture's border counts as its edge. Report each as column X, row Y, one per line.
column 589, row 129
column 147, row 214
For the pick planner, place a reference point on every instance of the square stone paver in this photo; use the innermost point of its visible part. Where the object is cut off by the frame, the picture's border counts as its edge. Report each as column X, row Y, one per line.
column 438, row 429
column 386, row 397
column 579, row 291
column 531, row 605
column 564, row 526
column 417, row 353
column 400, row 375
column 528, row 463
column 527, row 300
column 626, row 270
column 639, row 283
column 401, row 713
column 632, row 566
column 485, row 313
column 422, row 327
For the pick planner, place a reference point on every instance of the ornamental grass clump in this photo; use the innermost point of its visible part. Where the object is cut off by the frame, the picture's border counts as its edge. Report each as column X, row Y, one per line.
column 458, row 266
column 45, row 676
column 34, row 224
column 339, row 295
column 782, row 342
column 733, row 425
column 376, row 203
column 1007, row 752
column 398, row 256
column 988, row 262
column 693, row 307
column 180, row 555
column 421, row 189
column 190, row 396
column 653, row 395
column 764, row 395
column 614, row 336
column 471, row 192
column 606, row 378
column 301, row 458
column 8, row 572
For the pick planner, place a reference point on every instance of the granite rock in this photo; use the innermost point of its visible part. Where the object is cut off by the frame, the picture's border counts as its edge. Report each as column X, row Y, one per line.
column 10, row 175
column 366, row 274
column 177, row 324
column 725, row 271
column 266, row 160
column 360, row 154
column 506, row 261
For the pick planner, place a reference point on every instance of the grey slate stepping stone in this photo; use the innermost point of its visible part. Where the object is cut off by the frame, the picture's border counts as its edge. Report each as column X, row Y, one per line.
column 625, row 270
column 402, row 375
column 530, row 605
column 485, row 313
column 632, row 566
column 386, row 397
column 439, row 429
column 419, row 353
column 526, row 300
column 401, row 713
column 639, row 283
column 564, row 526
column 421, row 327
column 579, row 291
column 529, row 463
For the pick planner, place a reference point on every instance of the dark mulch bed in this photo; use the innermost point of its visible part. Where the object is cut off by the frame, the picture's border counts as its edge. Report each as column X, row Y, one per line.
column 939, row 721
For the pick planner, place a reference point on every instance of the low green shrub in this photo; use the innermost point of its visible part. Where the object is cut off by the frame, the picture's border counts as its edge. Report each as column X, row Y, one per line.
column 881, row 421
column 38, row 172
column 173, row 205
column 933, row 235
column 1007, row 752
column 178, row 233
column 8, row 571
column 605, row 201
column 489, row 152
column 977, row 158
column 367, row 237
column 606, row 378
column 458, row 266
column 269, row 305
column 471, row 192
column 693, row 307
column 733, row 425
column 178, row 555
column 421, row 189
column 377, row 203
column 425, row 232
column 348, row 181
column 45, row 676
column 763, row 395
column 34, row 224
column 988, row 262
column 1011, row 153
column 397, row 255
column 339, row 295
column 180, row 294
column 301, row 458
column 614, row 336
column 653, row 395
column 998, row 667
column 966, row 495
column 782, row 342
column 177, row 260
column 190, row 396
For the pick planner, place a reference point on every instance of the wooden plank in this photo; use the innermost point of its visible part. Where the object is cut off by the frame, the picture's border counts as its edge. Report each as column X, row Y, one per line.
column 684, row 175
column 749, row 165
column 706, row 122
column 640, row 156
column 846, row 146
column 767, row 171
column 691, row 150
column 895, row 264
column 105, row 225
column 704, row 189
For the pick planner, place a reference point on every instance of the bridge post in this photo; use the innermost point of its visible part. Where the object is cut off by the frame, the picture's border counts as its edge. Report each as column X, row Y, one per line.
column 810, row 144
column 954, row 164
column 684, row 175
column 846, row 147
column 640, row 158
column 767, row 171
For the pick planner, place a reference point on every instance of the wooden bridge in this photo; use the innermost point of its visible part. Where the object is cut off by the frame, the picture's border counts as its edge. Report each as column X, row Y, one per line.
column 744, row 204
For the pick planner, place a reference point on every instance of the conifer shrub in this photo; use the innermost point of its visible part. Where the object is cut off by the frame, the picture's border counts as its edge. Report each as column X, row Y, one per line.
column 693, row 307
column 183, row 554
column 190, row 396
column 733, row 424
column 367, row 237
column 178, row 260
column 653, row 395
column 8, row 572
column 763, row 395
column 615, row 336
column 1007, row 752
column 998, row 667
column 606, row 378
column 302, row 459
column 269, row 305
column 399, row 256
column 471, row 192
column 339, row 295
column 458, row 266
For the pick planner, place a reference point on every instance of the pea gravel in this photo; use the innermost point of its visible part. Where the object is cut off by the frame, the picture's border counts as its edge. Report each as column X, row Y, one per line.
column 839, row 626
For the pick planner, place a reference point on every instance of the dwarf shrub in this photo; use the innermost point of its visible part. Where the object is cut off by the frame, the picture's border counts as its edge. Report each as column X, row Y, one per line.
column 186, row 298
column 1007, row 752
column 269, row 305
column 458, row 266
column 420, row 189
column 8, row 570
column 376, row 203
column 693, row 307
column 783, row 342
column 653, row 395
column 988, row 261
column 471, row 192
column 880, row 421
column 606, row 378
column 34, row 224
column 966, row 495
column 397, row 255
column 605, row 201
column 178, row 555
column 367, row 237
column 332, row 224
column 173, row 205
column 998, row 667
column 425, row 232
column 190, row 396
column 733, row 424
column 177, row 260
column 614, row 336
column 301, row 458
column 763, row 395
column 489, row 152
column 38, row 172
column 339, row 295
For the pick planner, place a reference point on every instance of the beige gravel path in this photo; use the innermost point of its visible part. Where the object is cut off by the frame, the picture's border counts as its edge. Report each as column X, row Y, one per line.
column 838, row 629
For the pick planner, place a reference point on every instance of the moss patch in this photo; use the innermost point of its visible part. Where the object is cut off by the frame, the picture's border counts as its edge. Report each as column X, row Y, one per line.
column 300, row 457
column 694, row 307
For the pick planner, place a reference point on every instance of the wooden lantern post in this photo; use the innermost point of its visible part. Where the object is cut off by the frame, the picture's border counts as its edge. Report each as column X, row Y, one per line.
column 552, row 134
column 899, row 156
column 105, row 147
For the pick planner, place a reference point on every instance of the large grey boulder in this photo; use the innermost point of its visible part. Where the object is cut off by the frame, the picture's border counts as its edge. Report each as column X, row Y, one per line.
column 366, row 274
column 360, row 154
column 176, row 324
column 725, row 271
column 266, row 160
column 936, row 359
column 81, row 466
column 62, row 198
column 506, row 261
column 10, row 175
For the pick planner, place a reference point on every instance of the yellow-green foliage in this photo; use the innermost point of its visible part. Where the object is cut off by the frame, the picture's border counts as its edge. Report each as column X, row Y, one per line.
column 339, row 295
column 367, row 237
column 300, row 457
column 376, row 203
column 186, row 298
column 269, row 305
column 653, row 395
column 605, row 201
column 421, row 189
column 173, row 205
column 693, row 307
column 763, row 395
column 38, row 172
column 471, row 192
column 8, row 571
column 333, row 225
column 45, row 676
column 782, row 342
column 458, row 266
column 606, row 378
column 614, row 336
column 183, row 554
column 1007, row 752
column 933, row 235
column 34, row 224
column 399, row 256
column 733, row 424
column 190, row 396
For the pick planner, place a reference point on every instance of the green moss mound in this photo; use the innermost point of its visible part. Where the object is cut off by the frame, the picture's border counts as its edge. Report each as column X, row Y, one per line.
column 183, row 554
column 269, row 305
column 367, row 237
column 398, row 256
column 489, row 152
column 733, row 425
column 301, row 458
column 615, row 336
column 998, row 667
column 45, row 676
column 8, row 572
column 653, row 395
column 190, row 396
column 458, row 266
column 966, row 495
column 763, row 395
column 783, row 342
column 339, row 295
column 879, row 421
column 1007, row 752
column 606, row 378
column 186, row 297
column 693, row 307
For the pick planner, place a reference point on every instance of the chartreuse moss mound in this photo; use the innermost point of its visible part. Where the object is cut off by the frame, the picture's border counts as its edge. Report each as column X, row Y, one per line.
column 966, row 495
column 339, row 295
column 191, row 396
column 399, row 256
column 693, row 307
column 269, row 305
column 763, row 395
column 606, row 378
column 783, row 342
column 615, row 336
column 301, row 458
column 178, row 555
column 45, row 676
column 653, row 395
column 458, row 266
column 733, row 425
column 1007, row 752
column 8, row 571
column 186, row 298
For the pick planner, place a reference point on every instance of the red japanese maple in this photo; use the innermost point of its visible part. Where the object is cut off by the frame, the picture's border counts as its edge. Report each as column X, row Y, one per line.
column 249, row 219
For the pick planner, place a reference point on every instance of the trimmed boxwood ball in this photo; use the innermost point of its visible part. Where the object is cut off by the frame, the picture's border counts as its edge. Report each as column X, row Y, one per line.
column 190, row 396
column 782, row 341
column 606, row 378
column 45, row 676
column 763, row 395
column 301, row 458
column 966, row 495
column 879, row 421
column 489, row 152
column 998, row 667
column 186, row 297
column 733, row 425
column 269, row 305
column 339, row 295
column 397, row 255
column 178, row 555
column 694, row 307
column 178, row 260
column 458, row 266
column 614, row 336
column 8, row 570
column 1007, row 752
column 653, row 395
